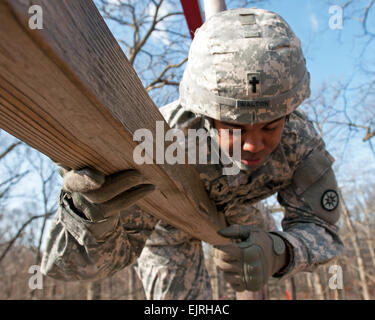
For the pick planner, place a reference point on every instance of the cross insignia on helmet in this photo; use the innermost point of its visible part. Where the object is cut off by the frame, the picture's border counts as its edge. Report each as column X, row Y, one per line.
column 253, row 84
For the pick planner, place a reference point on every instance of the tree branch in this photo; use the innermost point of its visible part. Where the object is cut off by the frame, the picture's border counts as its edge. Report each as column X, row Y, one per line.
column 12, row 241
column 9, row 149
column 138, row 45
column 160, row 79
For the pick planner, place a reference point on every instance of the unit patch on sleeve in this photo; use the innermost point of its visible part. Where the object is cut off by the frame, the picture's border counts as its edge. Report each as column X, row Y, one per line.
column 330, row 200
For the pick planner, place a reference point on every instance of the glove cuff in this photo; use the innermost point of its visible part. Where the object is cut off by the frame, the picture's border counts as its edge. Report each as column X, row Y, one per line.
column 82, row 228
column 278, row 244
column 279, row 252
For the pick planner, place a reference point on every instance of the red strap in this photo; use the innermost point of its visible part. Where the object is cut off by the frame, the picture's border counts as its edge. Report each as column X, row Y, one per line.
column 192, row 14
column 287, row 295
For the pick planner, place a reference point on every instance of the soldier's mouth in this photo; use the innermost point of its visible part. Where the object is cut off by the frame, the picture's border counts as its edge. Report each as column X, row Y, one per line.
column 251, row 162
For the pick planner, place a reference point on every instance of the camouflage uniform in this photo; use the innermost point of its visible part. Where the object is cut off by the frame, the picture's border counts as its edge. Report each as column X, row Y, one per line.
column 170, row 262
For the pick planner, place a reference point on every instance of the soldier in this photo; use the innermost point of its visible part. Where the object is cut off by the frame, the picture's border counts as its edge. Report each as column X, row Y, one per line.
column 246, row 70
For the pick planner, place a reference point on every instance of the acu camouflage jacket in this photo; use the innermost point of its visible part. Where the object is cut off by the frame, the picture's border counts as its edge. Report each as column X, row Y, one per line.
column 299, row 171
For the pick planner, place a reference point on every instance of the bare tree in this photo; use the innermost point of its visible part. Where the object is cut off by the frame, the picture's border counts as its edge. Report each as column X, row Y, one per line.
column 46, row 172
column 94, row 290
column 155, row 39
column 356, row 244
column 357, row 114
column 11, row 160
column 25, row 225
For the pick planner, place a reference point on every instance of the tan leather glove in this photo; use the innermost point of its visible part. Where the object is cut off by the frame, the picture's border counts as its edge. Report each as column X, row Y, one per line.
column 99, row 197
column 247, row 265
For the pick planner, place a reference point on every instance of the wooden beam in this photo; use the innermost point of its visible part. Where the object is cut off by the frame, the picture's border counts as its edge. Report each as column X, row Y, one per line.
column 69, row 91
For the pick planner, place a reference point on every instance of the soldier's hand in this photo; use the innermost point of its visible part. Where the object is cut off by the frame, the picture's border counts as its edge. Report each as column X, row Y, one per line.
column 247, row 265
column 98, row 196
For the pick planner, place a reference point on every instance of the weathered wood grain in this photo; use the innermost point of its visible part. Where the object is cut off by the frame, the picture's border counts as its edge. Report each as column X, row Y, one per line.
column 69, row 91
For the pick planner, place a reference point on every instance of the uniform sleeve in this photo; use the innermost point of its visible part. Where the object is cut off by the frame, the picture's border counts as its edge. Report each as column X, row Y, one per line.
column 78, row 249
column 312, row 211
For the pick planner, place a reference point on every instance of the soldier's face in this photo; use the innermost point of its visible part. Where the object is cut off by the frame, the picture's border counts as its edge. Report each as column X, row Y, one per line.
column 257, row 141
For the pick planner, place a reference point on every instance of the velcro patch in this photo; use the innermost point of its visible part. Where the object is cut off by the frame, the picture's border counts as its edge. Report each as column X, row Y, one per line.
column 330, row 200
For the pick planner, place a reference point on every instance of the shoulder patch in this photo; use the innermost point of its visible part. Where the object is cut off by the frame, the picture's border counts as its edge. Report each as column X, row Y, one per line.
column 323, row 198
column 330, row 200
column 311, row 170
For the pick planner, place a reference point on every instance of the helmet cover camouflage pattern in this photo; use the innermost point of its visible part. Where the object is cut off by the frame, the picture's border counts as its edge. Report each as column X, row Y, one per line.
column 245, row 65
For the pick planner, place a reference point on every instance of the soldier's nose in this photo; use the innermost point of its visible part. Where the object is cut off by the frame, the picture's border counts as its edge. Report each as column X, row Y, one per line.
column 252, row 142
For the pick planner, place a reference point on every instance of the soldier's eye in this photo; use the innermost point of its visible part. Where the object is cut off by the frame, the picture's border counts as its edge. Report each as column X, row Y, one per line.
column 233, row 127
column 269, row 128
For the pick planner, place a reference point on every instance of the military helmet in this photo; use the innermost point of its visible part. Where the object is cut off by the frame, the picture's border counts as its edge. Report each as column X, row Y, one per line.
column 245, row 65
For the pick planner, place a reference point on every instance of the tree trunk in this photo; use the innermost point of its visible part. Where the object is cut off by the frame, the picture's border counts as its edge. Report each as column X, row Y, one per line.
column 323, row 272
column 310, row 287
column 53, row 291
column 64, row 295
column 293, row 288
column 356, row 245
column 290, row 287
column 110, row 288
column 93, row 290
column 131, row 283
column 318, row 288
column 220, row 288
column 339, row 294
column 369, row 237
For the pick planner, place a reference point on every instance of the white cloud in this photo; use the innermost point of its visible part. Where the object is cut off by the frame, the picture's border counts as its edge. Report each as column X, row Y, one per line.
column 314, row 22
